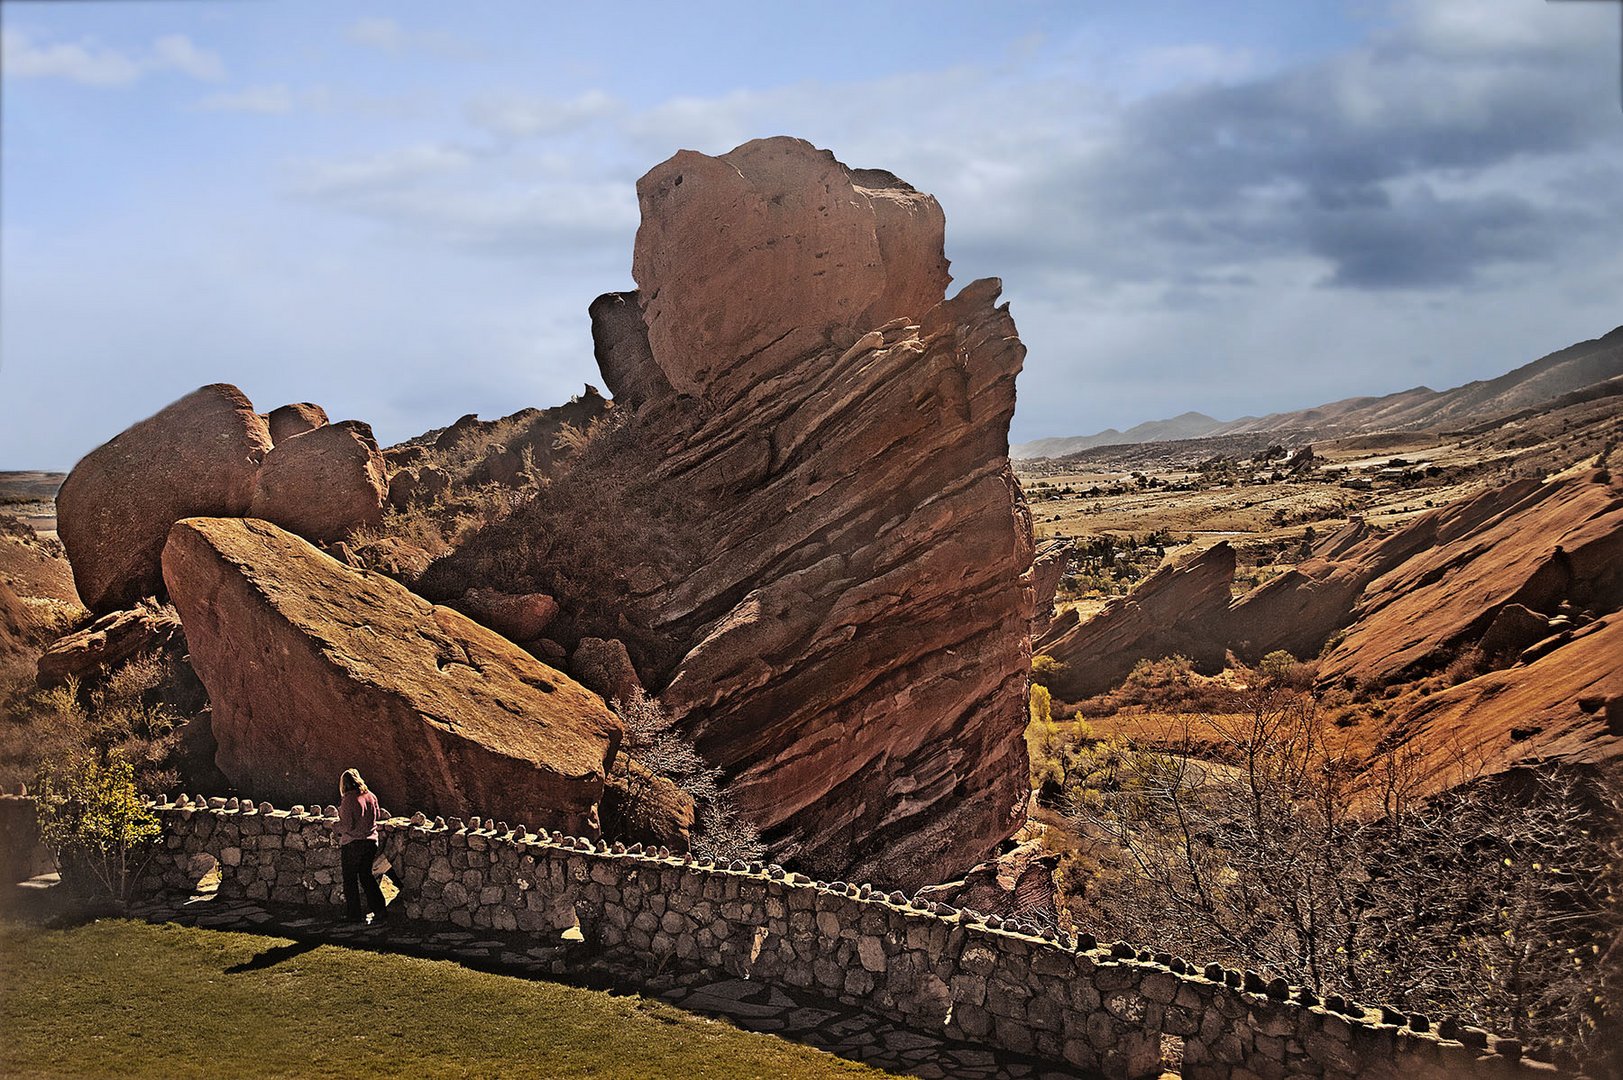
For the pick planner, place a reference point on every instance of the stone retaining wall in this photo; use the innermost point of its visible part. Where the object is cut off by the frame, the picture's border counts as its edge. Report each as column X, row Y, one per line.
column 925, row 965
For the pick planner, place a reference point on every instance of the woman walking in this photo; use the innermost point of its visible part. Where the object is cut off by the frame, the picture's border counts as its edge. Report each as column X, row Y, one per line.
column 357, row 831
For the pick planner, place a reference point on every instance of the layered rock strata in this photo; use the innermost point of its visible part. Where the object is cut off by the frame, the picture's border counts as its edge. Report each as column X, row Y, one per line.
column 817, row 547
column 313, row 668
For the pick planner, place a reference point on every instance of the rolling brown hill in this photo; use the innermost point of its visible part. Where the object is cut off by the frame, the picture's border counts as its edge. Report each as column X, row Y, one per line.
column 1568, row 371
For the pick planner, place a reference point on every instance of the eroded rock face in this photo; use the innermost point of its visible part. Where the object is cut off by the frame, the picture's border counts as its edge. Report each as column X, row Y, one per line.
column 15, row 624
column 313, row 668
column 322, row 484
column 198, row 456
column 806, row 532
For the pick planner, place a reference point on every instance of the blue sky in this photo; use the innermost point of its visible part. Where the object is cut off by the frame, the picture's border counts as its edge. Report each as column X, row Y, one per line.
column 402, row 210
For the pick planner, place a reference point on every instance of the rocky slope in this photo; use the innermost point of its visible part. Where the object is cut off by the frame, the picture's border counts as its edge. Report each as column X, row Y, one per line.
column 803, row 526
column 313, row 668
column 1524, row 580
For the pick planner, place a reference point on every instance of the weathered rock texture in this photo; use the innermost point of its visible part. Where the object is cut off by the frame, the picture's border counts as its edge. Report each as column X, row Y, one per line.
column 323, row 483
column 807, row 533
column 15, row 624
column 198, row 456
column 1178, row 610
column 313, row 668
column 747, row 261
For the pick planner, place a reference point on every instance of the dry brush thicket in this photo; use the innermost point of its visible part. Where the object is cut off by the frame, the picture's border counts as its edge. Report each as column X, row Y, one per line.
column 1254, row 835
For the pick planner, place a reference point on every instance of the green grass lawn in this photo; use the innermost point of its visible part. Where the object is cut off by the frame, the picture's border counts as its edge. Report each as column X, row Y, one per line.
column 123, row 998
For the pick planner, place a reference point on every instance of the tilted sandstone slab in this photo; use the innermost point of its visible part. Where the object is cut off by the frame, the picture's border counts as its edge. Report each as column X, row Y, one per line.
column 109, row 640
column 805, row 530
column 313, row 668
column 195, row 457
column 1178, row 610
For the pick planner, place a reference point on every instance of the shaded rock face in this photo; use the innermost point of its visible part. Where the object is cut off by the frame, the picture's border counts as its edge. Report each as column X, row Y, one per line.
column 198, row 456
column 517, row 618
column 313, row 668
column 15, row 625
column 605, row 666
column 806, row 532
column 291, row 420
column 322, row 484
column 109, row 640
column 1047, row 570
column 1178, row 610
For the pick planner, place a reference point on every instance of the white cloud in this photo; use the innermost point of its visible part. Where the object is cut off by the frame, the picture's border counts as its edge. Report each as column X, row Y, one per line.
column 384, row 34
column 388, row 36
column 394, row 169
column 269, row 100
column 91, row 64
column 519, row 118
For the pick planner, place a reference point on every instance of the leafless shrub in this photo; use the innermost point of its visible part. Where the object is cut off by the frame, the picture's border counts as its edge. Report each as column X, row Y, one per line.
column 1495, row 901
column 653, row 743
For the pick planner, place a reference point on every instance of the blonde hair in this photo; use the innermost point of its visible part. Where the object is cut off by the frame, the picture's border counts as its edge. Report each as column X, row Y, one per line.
column 351, row 781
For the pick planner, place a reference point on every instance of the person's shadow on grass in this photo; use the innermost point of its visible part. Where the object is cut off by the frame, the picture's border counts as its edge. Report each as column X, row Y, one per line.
column 272, row 956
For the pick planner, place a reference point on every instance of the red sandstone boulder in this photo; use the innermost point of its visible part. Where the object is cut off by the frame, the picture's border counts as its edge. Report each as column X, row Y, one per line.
column 818, row 569
column 198, row 456
column 1019, row 882
column 109, row 640
column 291, row 420
column 323, row 484
column 313, row 668
column 1047, row 570
column 746, row 262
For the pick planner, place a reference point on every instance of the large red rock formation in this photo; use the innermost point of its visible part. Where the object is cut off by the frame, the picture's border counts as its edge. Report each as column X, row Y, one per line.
column 198, row 456
column 323, row 483
column 313, row 668
column 806, row 531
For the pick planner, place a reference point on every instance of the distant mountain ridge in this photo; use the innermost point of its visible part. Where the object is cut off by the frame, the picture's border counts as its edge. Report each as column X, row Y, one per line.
column 1565, row 371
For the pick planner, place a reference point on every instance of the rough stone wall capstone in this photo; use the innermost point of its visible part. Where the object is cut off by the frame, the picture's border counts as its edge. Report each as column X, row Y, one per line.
column 925, row 965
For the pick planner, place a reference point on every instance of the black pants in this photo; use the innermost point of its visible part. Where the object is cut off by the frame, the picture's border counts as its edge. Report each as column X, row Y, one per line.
column 357, row 857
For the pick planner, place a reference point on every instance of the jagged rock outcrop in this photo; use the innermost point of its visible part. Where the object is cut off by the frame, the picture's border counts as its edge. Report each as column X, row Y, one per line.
column 108, row 641
column 198, row 456
column 313, row 668
column 1565, row 706
column 1178, row 610
column 806, row 532
column 290, row 420
column 1535, row 544
column 322, row 484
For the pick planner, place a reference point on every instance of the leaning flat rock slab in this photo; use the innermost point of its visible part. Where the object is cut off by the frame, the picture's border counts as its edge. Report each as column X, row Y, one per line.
column 313, row 667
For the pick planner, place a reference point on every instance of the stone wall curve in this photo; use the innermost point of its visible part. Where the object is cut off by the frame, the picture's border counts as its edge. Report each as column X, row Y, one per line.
column 927, row 966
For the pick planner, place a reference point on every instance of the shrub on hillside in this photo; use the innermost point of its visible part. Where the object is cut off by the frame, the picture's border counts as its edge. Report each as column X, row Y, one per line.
column 92, row 817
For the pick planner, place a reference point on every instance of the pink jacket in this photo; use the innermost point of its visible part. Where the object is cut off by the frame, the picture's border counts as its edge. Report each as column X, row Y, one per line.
column 357, row 817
